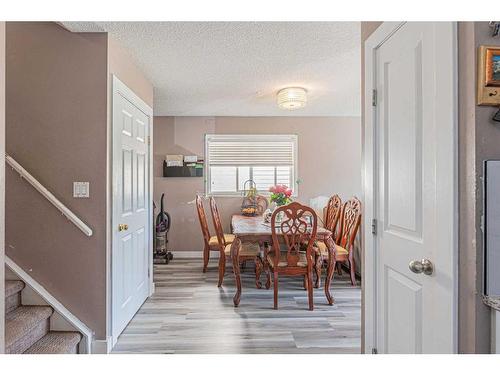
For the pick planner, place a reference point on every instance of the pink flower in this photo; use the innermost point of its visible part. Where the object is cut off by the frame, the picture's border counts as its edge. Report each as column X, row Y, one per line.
column 281, row 189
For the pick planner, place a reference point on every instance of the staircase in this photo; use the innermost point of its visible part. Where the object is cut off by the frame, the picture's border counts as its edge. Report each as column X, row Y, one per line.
column 27, row 328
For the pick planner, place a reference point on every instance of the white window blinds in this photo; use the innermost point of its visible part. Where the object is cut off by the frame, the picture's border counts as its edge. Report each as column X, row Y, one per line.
column 251, row 150
column 233, row 159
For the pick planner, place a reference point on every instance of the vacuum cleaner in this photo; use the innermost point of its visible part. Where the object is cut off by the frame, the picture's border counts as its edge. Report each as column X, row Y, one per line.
column 162, row 226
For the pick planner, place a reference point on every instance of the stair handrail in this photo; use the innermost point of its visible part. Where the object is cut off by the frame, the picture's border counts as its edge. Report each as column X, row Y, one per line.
column 48, row 195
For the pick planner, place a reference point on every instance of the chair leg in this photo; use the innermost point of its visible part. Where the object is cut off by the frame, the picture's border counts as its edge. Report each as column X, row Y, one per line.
column 275, row 290
column 318, row 265
column 352, row 270
column 222, row 269
column 206, row 257
column 310, row 290
column 305, row 282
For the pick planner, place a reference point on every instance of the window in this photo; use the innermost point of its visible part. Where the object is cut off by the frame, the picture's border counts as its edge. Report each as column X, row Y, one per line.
column 233, row 159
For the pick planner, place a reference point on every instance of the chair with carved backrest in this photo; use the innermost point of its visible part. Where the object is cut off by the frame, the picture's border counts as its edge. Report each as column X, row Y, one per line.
column 331, row 220
column 292, row 250
column 349, row 226
column 247, row 251
column 333, row 210
column 210, row 243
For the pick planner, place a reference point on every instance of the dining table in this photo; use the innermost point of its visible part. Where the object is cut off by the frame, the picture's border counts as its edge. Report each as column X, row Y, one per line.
column 255, row 229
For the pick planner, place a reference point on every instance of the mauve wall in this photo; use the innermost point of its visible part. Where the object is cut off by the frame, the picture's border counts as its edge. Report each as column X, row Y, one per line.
column 329, row 162
column 487, row 147
column 121, row 64
column 2, row 184
column 56, row 129
column 479, row 140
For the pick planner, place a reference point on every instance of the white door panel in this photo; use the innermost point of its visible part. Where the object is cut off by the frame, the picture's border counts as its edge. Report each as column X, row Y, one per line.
column 131, row 195
column 403, row 331
column 413, row 197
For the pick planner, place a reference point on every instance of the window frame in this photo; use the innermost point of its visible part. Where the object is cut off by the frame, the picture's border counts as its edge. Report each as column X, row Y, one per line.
column 249, row 137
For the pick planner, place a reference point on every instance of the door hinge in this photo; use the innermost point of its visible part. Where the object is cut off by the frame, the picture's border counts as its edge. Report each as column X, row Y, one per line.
column 374, row 351
column 149, row 140
column 374, row 226
column 149, row 273
column 374, row 98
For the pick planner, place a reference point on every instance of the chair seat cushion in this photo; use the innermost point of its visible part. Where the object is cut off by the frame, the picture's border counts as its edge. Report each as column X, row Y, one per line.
column 321, row 246
column 283, row 262
column 247, row 249
column 229, row 238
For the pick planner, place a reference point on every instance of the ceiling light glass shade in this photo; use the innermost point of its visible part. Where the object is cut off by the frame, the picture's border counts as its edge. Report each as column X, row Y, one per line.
column 292, row 98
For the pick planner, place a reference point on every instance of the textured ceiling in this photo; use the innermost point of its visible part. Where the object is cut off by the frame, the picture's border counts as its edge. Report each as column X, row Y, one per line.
column 236, row 68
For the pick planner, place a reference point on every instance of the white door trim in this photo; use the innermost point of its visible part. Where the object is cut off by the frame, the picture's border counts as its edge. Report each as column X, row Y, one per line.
column 119, row 88
column 381, row 34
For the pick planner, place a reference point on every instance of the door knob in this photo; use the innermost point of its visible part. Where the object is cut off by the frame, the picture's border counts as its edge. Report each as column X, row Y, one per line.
column 122, row 227
column 421, row 266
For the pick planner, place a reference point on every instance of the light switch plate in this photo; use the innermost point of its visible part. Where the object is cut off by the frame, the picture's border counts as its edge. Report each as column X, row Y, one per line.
column 81, row 189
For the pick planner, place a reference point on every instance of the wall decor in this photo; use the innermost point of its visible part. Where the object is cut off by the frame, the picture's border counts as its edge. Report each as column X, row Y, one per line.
column 488, row 81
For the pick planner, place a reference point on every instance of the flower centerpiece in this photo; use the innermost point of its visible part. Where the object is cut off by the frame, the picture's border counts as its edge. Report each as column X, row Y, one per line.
column 280, row 194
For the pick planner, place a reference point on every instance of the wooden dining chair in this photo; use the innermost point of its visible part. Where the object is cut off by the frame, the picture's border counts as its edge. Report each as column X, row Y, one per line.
column 210, row 243
column 331, row 220
column 293, row 255
column 247, row 250
column 349, row 226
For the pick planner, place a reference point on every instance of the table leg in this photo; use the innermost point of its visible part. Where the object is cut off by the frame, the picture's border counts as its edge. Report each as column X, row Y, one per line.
column 331, row 267
column 235, row 249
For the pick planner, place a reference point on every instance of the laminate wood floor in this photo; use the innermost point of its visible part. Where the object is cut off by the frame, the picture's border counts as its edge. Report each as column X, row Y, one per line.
column 189, row 314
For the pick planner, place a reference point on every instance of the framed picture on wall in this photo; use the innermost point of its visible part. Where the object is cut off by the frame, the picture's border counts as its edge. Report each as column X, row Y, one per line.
column 488, row 75
column 493, row 67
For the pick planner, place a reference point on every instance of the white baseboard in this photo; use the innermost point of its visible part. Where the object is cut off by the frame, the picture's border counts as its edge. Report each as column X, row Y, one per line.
column 102, row 346
column 193, row 254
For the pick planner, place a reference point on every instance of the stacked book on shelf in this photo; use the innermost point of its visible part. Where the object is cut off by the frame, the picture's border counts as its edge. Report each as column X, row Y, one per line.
column 183, row 166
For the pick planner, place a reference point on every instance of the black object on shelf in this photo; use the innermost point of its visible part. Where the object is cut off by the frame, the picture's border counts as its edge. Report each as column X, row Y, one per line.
column 185, row 171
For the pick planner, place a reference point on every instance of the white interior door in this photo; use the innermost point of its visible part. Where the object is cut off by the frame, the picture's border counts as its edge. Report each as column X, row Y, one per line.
column 414, row 181
column 131, row 249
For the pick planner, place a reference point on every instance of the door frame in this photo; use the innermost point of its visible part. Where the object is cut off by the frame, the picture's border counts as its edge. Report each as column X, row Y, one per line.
column 370, row 173
column 119, row 88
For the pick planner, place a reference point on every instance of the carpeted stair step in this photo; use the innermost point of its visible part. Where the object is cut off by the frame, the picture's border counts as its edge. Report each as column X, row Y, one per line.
column 24, row 326
column 13, row 290
column 56, row 342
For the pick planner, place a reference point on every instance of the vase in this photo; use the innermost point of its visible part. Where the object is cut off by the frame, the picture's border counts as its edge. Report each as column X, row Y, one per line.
column 279, row 217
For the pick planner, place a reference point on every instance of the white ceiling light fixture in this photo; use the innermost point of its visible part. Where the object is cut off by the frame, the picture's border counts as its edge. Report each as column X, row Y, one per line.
column 292, row 98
